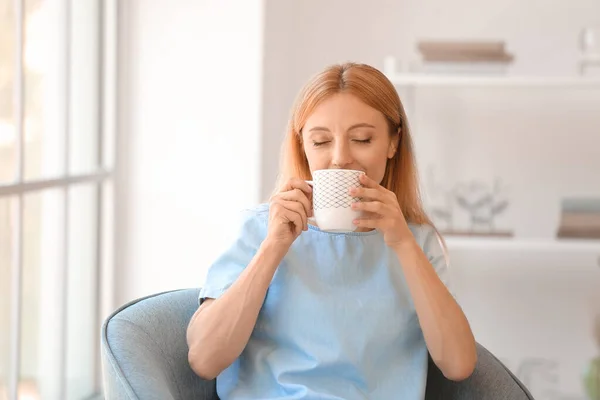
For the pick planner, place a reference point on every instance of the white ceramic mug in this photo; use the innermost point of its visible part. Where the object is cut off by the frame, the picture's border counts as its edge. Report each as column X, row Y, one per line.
column 332, row 200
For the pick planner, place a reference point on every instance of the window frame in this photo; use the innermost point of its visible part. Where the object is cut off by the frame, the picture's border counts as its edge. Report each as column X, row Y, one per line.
column 102, row 177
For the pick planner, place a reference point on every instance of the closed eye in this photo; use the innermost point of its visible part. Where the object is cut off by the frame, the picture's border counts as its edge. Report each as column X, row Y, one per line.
column 362, row 141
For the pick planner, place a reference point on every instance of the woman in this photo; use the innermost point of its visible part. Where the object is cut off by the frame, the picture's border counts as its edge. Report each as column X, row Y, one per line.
column 293, row 312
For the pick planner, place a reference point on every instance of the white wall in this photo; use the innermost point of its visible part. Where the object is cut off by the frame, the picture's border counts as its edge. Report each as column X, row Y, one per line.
column 190, row 90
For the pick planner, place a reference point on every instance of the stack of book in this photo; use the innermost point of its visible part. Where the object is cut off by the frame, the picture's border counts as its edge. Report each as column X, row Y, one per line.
column 477, row 57
column 580, row 218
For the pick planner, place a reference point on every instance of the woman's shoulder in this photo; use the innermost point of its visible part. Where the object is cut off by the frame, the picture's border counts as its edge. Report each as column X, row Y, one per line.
column 426, row 235
column 260, row 211
column 255, row 217
column 421, row 231
column 249, row 225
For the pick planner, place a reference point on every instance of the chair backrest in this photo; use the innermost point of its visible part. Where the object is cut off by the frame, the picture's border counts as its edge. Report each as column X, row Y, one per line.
column 144, row 356
column 144, row 350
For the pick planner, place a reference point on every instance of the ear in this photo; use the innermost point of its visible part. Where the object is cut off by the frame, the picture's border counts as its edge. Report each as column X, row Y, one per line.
column 394, row 144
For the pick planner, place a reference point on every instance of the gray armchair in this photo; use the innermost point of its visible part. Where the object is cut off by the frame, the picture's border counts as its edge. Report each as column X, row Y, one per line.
column 144, row 356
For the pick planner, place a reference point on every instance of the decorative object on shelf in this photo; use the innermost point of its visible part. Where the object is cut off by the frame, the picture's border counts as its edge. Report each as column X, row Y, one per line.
column 580, row 218
column 474, row 57
column 589, row 64
column 482, row 203
column 442, row 211
column 591, row 376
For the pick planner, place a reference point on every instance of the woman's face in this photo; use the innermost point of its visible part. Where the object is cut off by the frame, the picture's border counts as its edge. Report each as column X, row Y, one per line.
column 345, row 133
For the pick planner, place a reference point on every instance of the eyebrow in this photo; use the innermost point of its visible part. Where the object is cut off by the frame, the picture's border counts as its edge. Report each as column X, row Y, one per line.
column 355, row 126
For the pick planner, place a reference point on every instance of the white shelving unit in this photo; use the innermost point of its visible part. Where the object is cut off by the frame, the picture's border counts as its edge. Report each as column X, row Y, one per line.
column 492, row 80
column 421, row 79
column 409, row 83
column 543, row 292
column 510, row 244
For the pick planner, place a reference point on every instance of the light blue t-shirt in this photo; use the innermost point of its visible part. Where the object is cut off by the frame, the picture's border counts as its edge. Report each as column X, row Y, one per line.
column 338, row 321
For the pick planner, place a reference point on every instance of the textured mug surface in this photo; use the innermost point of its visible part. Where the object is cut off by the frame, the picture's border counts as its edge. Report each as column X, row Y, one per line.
column 332, row 200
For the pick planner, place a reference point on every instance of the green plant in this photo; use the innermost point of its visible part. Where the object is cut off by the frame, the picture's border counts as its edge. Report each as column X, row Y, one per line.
column 591, row 379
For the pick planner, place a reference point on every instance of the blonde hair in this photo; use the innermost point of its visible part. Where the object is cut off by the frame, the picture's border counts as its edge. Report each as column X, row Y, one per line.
column 374, row 89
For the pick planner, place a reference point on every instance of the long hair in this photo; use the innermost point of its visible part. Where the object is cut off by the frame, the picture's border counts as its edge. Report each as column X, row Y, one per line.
column 374, row 89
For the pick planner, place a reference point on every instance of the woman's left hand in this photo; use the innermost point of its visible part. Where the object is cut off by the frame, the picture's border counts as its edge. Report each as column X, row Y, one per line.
column 381, row 211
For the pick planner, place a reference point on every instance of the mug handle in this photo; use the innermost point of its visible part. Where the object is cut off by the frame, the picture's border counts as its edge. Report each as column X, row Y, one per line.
column 312, row 219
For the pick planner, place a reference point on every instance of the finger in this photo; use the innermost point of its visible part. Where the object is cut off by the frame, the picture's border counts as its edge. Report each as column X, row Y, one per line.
column 371, row 206
column 296, row 183
column 289, row 216
column 297, row 208
column 367, row 193
column 282, row 210
column 296, row 220
column 370, row 215
column 298, row 196
column 371, row 223
column 367, row 182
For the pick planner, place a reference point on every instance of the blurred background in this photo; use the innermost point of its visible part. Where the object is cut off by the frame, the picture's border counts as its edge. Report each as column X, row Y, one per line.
column 132, row 133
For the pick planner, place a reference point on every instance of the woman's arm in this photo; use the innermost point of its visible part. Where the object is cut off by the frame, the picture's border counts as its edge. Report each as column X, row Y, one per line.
column 219, row 330
column 446, row 330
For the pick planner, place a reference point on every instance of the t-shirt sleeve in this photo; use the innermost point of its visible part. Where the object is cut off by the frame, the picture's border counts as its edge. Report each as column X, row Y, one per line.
column 437, row 255
column 230, row 264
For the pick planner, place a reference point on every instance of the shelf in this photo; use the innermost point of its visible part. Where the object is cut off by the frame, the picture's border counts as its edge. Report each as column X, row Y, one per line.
column 496, row 243
column 391, row 70
column 492, row 80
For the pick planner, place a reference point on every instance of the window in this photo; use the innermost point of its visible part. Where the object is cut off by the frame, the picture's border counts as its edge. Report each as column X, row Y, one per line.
column 56, row 134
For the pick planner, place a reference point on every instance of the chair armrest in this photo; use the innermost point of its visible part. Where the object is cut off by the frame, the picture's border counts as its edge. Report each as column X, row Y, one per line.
column 144, row 350
column 491, row 380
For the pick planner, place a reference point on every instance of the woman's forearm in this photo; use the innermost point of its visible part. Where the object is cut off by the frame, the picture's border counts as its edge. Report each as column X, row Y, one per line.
column 445, row 328
column 221, row 328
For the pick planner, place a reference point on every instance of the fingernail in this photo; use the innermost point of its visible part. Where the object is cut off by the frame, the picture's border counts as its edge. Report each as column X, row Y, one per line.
column 352, row 190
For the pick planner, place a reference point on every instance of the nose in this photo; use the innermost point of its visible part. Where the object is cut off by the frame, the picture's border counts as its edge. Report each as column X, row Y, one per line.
column 342, row 156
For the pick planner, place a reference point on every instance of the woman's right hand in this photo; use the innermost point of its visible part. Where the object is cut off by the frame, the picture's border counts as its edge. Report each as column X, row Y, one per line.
column 289, row 212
